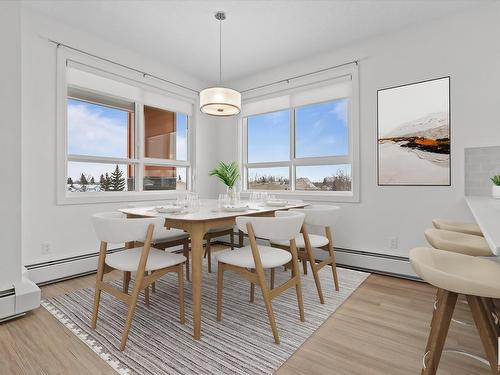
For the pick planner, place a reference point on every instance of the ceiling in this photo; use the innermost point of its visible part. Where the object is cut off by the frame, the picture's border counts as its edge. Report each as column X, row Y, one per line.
column 257, row 35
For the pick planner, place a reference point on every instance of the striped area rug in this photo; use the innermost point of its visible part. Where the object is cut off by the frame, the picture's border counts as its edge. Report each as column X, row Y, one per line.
column 242, row 343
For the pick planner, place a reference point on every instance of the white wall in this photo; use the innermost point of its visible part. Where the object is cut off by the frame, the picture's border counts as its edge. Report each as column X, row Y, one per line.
column 467, row 48
column 10, row 143
column 68, row 227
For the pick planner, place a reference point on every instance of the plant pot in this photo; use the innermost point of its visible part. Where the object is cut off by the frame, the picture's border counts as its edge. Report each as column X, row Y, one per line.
column 495, row 191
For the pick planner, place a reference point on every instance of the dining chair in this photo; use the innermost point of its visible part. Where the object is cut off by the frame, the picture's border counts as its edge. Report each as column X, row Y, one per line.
column 164, row 238
column 251, row 261
column 321, row 216
column 215, row 233
column 148, row 263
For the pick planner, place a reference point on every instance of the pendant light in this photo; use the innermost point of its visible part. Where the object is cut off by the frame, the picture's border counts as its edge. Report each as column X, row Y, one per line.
column 220, row 101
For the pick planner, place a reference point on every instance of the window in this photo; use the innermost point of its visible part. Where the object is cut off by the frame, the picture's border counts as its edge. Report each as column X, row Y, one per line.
column 305, row 146
column 120, row 137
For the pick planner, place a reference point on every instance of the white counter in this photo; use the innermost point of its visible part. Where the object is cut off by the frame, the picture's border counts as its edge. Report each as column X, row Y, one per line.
column 486, row 211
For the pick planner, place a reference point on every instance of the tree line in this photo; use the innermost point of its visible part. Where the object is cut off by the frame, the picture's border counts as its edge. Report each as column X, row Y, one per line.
column 107, row 182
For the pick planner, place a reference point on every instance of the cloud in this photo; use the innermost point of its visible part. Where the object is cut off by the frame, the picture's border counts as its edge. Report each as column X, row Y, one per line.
column 340, row 110
column 95, row 131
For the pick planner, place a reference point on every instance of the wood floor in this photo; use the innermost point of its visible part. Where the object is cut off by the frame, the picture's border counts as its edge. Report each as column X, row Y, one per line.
column 380, row 329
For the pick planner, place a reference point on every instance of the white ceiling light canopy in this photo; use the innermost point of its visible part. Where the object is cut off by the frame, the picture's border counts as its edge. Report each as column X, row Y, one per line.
column 220, row 101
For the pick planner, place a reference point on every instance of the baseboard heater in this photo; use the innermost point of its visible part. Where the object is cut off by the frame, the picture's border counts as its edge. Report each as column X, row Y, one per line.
column 383, row 264
column 68, row 268
column 71, row 267
column 21, row 298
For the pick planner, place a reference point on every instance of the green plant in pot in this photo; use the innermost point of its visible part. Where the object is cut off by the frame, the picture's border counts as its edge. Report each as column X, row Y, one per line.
column 495, row 190
column 229, row 174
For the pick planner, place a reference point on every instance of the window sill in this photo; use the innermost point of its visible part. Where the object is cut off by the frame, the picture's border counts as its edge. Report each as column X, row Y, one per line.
column 110, row 197
column 316, row 196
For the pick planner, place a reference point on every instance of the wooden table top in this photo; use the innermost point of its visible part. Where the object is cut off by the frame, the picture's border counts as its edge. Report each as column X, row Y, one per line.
column 208, row 211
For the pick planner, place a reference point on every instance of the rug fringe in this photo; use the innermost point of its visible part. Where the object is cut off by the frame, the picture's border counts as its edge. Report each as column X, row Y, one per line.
column 91, row 343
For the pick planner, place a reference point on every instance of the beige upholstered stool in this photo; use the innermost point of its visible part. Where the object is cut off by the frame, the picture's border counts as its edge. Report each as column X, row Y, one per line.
column 456, row 242
column 457, row 226
column 453, row 274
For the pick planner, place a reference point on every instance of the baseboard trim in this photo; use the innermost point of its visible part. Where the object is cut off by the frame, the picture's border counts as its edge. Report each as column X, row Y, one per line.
column 383, row 264
column 68, row 268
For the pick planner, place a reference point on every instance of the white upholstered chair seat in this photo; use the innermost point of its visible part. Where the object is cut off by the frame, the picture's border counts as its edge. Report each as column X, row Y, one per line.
column 128, row 260
column 165, row 235
column 270, row 257
column 315, row 239
column 457, row 226
column 456, row 242
column 459, row 273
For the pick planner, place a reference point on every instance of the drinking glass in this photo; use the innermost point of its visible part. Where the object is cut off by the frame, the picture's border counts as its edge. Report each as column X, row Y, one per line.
column 222, row 201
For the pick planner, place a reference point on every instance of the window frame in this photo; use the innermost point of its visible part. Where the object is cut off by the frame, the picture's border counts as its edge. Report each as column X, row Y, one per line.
column 353, row 147
column 138, row 161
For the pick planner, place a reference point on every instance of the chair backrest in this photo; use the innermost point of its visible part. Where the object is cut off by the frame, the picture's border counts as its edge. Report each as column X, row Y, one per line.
column 284, row 226
column 321, row 215
column 115, row 227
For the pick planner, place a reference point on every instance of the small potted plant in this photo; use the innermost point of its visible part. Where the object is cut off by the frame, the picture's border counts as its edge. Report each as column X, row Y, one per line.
column 495, row 190
column 228, row 173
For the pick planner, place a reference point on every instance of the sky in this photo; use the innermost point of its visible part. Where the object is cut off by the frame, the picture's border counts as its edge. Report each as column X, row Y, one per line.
column 407, row 103
column 321, row 130
column 97, row 130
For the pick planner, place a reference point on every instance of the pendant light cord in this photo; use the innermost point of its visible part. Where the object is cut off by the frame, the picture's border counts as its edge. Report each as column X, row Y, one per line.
column 220, row 51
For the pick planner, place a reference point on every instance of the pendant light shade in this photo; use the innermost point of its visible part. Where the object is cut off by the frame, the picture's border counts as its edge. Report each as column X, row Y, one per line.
column 220, row 101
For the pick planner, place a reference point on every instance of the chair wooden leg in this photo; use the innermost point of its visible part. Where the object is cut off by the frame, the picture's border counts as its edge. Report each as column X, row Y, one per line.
column 490, row 308
column 126, row 280
column 131, row 309
column 186, row 254
column 270, row 312
column 304, row 265
column 296, row 274
column 153, row 287
column 231, row 238
column 331, row 252
column 252, row 289
column 180, row 281
column 208, row 252
column 272, row 278
column 98, row 282
column 487, row 335
column 309, row 255
column 220, row 286
column 146, row 294
column 317, row 281
column 439, row 331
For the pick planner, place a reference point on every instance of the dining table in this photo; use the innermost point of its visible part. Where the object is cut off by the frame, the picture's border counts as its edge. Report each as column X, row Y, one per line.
column 197, row 222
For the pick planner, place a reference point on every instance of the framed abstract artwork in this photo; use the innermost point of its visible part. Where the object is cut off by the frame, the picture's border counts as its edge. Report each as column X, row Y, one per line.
column 413, row 134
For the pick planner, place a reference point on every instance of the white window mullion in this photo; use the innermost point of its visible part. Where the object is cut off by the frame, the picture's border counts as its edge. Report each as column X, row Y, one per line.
column 139, row 145
column 292, row 149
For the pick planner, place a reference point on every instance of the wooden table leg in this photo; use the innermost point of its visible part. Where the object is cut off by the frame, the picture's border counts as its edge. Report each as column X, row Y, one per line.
column 196, row 276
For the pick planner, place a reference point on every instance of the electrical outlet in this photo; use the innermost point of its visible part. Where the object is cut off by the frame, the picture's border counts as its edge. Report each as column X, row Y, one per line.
column 46, row 247
column 393, row 243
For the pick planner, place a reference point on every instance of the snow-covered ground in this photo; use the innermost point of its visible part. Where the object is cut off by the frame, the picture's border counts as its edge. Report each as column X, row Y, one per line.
column 405, row 166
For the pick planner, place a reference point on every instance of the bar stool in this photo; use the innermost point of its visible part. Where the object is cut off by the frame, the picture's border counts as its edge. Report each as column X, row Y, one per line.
column 457, row 226
column 454, row 274
column 456, row 242
column 315, row 215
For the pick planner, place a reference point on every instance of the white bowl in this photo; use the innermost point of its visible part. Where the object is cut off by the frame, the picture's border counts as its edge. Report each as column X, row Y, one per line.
column 276, row 203
column 237, row 208
column 168, row 209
